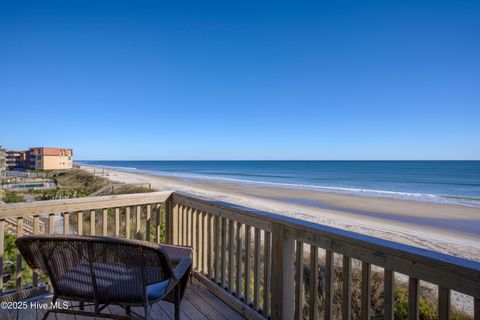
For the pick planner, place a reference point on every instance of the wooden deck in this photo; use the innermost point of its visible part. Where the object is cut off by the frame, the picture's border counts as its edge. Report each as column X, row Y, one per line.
column 198, row 304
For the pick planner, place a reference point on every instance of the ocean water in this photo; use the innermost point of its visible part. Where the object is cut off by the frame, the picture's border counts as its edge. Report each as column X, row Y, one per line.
column 454, row 182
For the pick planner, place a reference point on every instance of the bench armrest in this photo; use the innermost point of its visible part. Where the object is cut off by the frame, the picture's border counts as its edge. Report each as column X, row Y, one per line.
column 182, row 267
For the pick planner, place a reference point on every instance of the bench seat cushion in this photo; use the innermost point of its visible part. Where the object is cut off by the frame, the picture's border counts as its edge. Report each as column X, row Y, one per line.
column 115, row 282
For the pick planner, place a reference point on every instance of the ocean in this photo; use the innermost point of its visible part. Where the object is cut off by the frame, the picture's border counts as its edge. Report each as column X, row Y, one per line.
column 453, row 182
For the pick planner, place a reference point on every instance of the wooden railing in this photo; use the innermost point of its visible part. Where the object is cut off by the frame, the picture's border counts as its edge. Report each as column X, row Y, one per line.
column 254, row 260
column 137, row 216
column 266, row 271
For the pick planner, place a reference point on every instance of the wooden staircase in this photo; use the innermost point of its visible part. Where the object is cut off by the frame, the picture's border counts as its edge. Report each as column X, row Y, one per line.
column 11, row 226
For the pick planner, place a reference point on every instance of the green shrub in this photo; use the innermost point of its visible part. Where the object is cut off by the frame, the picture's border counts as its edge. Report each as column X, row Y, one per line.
column 401, row 304
column 10, row 264
column 427, row 302
column 12, row 197
column 80, row 179
column 58, row 193
column 128, row 189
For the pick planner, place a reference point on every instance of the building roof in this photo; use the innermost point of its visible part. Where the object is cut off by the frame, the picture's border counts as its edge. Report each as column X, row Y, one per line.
column 52, row 151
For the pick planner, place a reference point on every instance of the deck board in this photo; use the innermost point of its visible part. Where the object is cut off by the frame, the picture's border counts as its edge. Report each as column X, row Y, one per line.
column 198, row 303
column 216, row 309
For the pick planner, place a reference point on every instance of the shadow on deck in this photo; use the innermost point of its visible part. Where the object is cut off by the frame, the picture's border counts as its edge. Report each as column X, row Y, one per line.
column 199, row 303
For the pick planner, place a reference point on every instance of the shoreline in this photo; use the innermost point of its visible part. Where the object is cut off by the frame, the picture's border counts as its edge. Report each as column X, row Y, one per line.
column 451, row 229
column 448, row 199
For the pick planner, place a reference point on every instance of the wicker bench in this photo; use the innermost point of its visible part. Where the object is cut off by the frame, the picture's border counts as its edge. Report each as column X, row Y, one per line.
column 105, row 271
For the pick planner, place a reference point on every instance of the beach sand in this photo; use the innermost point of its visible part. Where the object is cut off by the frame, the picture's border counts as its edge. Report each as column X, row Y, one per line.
column 450, row 229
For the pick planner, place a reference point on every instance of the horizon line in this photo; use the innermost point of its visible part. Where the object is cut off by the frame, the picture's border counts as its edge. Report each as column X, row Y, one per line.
column 285, row 160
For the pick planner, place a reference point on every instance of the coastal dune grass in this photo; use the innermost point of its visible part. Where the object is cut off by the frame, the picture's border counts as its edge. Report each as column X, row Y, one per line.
column 428, row 293
column 428, row 296
column 77, row 183
column 73, row 184
column 77, row 178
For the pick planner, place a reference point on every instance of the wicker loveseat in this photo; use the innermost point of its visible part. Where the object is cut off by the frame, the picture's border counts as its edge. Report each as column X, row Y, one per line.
column 105, row 271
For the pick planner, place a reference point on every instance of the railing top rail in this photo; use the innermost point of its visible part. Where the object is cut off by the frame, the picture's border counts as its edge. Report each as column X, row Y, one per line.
column 12, row 210
column 453, row 272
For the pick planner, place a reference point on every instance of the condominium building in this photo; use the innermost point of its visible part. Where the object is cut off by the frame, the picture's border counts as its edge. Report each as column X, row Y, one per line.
column 50, row 158
column 15, row 160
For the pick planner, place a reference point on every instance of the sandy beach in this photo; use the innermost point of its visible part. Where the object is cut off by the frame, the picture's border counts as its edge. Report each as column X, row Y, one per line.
column 452, row 229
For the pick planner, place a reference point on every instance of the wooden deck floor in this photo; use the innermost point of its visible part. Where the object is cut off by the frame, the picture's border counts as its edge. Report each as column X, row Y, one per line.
column 199, row 303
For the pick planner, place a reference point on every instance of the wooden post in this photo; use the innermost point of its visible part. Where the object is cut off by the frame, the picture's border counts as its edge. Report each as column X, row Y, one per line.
column 127, row 222
column 79, row 223
column 247, row 268
column 329, row 284
column 366, row 290
column 389, row 294
column 36, row 230
column 231, row 246
column 138, row 222
column 170, row 226
column 51, row 225
column 173, row 228
column 187, row 236
column 267, row 273
column 18, row 275
column 92, row 222
column 148, row 225
column 105, row 222
column 347, row 288
column 199, row 240
column 209, row 246
column 2, row 244
column 413, row 298
column 117, row 222
column 256, row 272
column 476, row 308
column 313, row 292
column 239, row 260
column 443, row 303
column 223, row 249
column 158, row 223
column 185, row 224
column 193, row 237
column 205, row 240
column 283, row 273
column 66, row 223
column 216, row 248
column 299, row 281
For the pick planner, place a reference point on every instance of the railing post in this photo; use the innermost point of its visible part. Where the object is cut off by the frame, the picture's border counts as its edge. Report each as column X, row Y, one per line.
column 283, row 272
column 171, row 221
column 2, row 243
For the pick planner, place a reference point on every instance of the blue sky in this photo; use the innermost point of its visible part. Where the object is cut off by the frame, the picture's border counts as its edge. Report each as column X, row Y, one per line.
column 242, row 80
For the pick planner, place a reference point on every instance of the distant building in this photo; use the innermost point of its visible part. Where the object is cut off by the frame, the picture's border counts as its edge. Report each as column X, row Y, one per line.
column 49, row 158
column 16, row 160
column 3, row 165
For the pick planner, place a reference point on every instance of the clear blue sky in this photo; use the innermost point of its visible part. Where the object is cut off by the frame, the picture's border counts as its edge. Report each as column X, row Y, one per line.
column 242, row 80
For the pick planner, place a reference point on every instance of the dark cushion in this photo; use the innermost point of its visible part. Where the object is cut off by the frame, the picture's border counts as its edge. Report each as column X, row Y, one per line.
column 115, row 282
